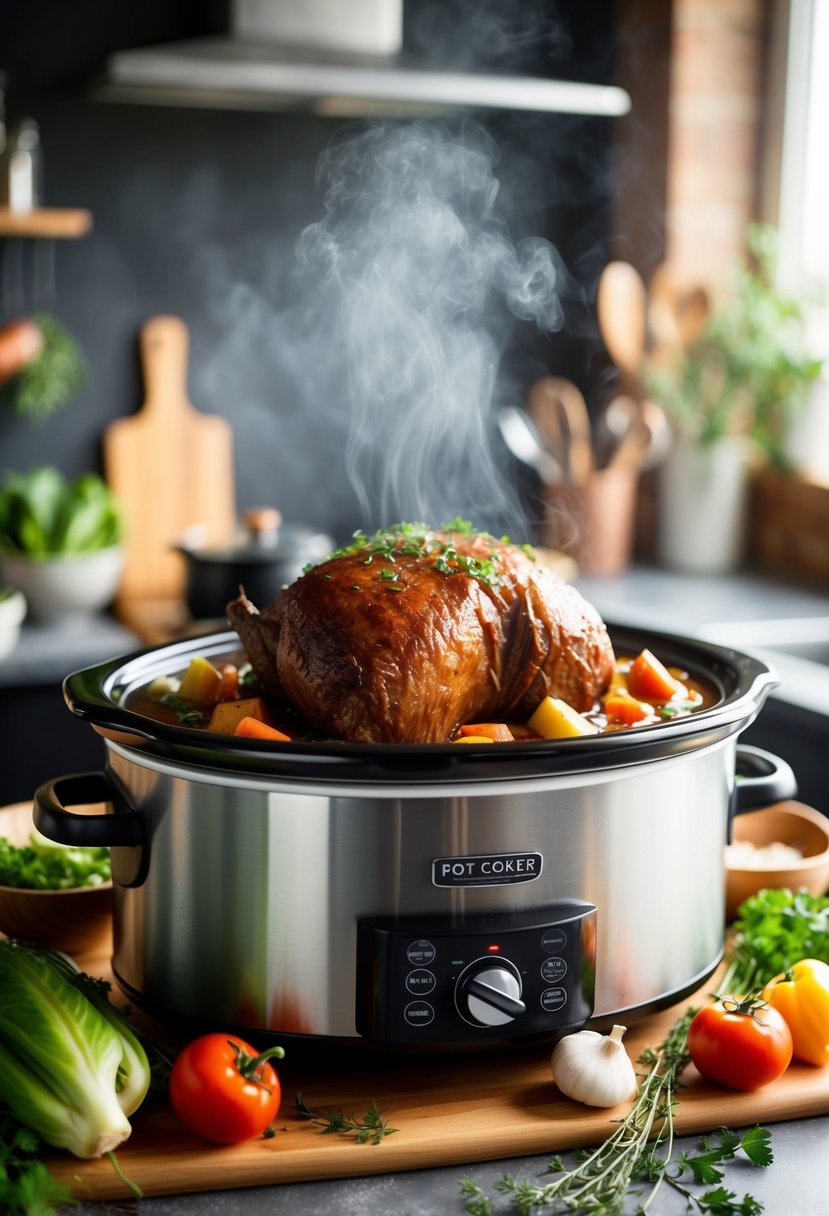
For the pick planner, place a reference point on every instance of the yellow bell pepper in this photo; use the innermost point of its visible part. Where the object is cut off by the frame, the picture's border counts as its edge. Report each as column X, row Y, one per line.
column 801, row 995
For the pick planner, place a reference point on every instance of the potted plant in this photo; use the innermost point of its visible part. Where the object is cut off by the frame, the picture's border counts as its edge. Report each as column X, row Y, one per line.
column 731, row 396
column 60, row 541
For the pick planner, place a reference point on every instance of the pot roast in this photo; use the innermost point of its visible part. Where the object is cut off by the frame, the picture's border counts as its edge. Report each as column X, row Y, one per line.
column 404, row 636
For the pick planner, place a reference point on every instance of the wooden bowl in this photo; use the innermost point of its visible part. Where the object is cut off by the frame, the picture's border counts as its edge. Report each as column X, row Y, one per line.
column 790, row 823
column 77, row 920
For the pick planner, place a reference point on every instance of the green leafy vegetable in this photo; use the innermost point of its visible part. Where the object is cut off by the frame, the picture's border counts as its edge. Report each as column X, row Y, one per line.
column 71, row 1069
column 42, row 513
column 42, row 865
column 53, row 378
column 773, row 930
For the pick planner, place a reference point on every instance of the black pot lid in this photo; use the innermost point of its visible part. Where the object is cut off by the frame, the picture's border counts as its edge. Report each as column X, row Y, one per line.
column 98, row 694
column 265, row 539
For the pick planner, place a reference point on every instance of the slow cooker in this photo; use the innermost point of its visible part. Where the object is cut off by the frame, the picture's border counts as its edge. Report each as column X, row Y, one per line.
column 428, row 896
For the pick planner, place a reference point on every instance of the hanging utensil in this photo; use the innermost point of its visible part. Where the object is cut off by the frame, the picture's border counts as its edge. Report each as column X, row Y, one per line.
column 639, row 432
column 523, row 440
column 621, row 303
column 694, row 309
column 663, row 322
column 563, row 421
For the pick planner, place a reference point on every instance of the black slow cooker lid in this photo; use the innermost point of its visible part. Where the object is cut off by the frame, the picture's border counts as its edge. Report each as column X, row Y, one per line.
column 99, row 695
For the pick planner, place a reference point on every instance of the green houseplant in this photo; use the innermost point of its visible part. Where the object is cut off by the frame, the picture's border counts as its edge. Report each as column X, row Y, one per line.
column 731, row 396
column 748, row 371
column 60, row 541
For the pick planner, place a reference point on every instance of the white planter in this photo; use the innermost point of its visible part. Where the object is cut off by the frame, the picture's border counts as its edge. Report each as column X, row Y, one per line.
column 702, row 506
column 66, row 585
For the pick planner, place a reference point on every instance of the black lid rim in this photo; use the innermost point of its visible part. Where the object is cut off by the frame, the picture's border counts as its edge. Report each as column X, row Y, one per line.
column 96, row 694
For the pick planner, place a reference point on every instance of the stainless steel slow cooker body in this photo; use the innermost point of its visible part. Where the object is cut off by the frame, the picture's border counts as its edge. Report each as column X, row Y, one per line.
column 391, row 898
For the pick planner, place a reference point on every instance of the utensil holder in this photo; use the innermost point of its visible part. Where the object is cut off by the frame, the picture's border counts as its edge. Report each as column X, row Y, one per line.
column 593, row 521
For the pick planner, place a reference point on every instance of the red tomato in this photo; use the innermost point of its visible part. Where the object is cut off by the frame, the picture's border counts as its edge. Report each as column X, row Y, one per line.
column 222, row 1090
column 740, row 1042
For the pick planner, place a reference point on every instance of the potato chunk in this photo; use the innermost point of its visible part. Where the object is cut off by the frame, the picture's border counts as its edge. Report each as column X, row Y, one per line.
column 555, row 719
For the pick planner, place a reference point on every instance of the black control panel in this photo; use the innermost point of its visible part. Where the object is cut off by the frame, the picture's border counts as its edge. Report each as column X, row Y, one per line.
column 442, row 980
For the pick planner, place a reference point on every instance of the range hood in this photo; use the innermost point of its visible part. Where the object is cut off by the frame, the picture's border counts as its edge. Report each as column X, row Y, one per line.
column 289, row 54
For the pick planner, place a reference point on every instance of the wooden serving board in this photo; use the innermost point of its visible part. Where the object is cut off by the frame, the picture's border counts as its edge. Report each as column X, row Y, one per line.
column 171, row 468
column 447, row 1110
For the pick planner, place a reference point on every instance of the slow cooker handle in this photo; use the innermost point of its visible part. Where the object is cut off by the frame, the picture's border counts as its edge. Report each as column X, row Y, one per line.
column 123, row 831
column 762, row 778
column 54, row 821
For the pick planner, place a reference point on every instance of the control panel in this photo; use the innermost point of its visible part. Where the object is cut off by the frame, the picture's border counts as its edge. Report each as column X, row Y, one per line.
column 442, row 980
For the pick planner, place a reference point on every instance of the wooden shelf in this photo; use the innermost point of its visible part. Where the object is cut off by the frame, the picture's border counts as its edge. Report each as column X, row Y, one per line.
column 48, row 222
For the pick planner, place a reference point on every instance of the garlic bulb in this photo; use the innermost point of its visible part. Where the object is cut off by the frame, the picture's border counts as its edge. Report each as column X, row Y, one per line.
column 594, row 1068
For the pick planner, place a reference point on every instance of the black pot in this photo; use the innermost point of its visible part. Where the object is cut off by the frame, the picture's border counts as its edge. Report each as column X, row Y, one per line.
column 266, row 556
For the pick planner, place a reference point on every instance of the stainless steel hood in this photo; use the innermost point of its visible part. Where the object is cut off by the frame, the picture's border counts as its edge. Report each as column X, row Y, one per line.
column 278, row 56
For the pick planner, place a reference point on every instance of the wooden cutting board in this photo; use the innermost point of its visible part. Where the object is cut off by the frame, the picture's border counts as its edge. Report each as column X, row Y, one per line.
column 447, row 1110
column 170, row 466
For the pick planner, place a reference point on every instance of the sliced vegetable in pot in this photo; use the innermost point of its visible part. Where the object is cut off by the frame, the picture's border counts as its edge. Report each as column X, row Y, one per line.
column 212, row 697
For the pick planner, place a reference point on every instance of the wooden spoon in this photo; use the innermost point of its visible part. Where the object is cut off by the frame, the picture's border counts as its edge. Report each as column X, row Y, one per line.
column 621, row 303
column 561, row 415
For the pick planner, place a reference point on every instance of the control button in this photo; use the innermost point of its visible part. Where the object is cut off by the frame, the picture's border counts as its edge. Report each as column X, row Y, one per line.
column 421, row 953
column 488, row 993
column 419, row 1013
column 554, row 940
column 553, row 970
column 553, row 999
column 420, row 981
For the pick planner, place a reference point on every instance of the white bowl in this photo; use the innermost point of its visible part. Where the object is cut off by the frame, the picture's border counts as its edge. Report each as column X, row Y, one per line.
column 66, row 585
column 12, row 612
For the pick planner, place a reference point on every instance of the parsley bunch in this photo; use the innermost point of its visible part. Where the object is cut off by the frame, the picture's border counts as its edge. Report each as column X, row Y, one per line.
column 52, row 868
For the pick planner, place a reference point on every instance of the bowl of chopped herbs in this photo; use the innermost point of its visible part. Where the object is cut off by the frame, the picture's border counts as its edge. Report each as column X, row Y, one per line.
column 52, row 894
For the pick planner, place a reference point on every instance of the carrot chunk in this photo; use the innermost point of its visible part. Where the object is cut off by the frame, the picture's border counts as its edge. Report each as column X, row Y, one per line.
column 498, row 732
column 252, row 728
column 620, row 706
column 650, row 680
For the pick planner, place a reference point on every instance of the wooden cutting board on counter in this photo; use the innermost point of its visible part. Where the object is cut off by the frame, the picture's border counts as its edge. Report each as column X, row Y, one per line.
column 171, row 468
column 448, row 1110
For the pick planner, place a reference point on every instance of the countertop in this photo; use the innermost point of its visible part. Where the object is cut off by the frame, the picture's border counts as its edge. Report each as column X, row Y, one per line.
column 797, row 1182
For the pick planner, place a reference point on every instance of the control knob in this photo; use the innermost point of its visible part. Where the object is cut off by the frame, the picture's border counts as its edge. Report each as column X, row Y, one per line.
column 488, row 993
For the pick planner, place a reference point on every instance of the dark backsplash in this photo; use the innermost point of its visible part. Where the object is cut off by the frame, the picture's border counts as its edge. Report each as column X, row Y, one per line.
column 197, row 213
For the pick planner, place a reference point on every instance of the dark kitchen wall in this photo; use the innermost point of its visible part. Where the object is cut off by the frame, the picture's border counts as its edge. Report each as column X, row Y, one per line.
column 197, row 213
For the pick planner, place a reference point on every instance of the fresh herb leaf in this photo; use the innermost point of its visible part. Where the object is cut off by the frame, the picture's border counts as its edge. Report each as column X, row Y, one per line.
column 26, row 1186
column 186, row 714
column 756, row 1144
column 372, row 1127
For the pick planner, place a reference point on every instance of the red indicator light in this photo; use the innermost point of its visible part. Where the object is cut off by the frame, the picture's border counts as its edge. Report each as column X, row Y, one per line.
column 493, row 949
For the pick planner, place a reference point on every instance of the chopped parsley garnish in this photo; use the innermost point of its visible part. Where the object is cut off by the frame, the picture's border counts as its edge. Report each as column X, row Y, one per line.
column 418, row 540
column 186, row 714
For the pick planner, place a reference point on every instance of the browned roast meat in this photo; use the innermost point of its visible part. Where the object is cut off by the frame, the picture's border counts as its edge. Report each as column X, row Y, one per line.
column 408, row 634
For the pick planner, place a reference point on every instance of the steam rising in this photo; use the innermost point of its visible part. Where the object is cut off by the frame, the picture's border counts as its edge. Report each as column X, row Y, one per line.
column 421, row 284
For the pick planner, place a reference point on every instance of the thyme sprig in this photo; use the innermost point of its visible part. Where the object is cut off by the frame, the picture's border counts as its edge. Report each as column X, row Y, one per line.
column 372, row 1127
column 638, row 1153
